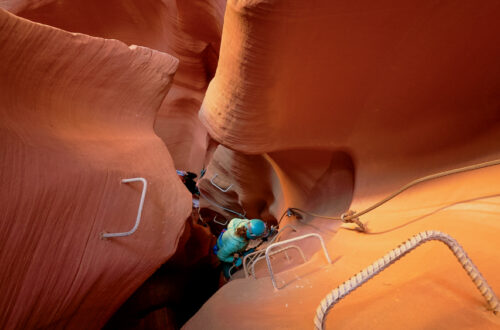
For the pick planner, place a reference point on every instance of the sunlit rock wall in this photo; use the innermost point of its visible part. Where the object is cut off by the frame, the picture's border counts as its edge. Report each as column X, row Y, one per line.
column 402, row 89
column 330, row 105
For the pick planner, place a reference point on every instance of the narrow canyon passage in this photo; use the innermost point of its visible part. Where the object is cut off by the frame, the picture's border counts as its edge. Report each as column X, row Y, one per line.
column 296, row 113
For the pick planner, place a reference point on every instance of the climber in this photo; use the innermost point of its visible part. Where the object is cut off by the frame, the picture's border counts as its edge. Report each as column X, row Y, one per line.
column 231, row 244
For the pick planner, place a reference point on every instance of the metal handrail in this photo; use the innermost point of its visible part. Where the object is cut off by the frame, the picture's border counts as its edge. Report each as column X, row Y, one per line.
column 139, row 212
column 269, row 248
column 230, row 269
column 262, row 251
column 217, row 186
column 275, row 252
column 246, row 257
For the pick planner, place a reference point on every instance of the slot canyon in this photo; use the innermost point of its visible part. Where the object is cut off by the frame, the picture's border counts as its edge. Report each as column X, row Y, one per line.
column 303, row 114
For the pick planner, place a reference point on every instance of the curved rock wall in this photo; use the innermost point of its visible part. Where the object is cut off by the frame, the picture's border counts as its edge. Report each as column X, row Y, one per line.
column 188, row 30
column 292, row 76
column 262, row 186
column 320, row 105
column 77, row 116
column 346, row 101
column 403, row 89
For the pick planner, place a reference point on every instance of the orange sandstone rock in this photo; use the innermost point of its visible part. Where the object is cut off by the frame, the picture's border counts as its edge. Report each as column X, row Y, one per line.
column 77, row 116
column 188, row 30
column 323, row 105
column 402, row 90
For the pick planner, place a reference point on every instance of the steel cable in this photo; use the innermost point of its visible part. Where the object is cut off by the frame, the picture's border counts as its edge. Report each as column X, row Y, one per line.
column 353, row 217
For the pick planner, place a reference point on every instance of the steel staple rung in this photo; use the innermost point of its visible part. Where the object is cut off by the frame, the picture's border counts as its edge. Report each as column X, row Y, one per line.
column 139, row 211
column 252, row 268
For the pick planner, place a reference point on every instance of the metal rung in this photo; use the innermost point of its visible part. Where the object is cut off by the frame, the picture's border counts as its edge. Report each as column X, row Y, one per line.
column 276, row 252
column 220, row 223
column 270, row 247
column 260, row 252
column 217, row 186
column 230, row 269
column 139, row 212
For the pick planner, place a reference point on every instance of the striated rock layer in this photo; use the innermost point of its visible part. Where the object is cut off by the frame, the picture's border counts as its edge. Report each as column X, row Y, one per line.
column 406, row 86
column 189, row 30
column 77, row 116
column 322, row 105
column 330, row 106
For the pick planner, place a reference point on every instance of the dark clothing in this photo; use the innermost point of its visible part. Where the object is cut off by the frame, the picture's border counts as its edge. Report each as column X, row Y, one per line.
column 188, row 180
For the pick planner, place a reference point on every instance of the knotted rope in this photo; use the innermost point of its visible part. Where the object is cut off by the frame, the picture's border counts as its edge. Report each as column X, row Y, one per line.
column 353, row 216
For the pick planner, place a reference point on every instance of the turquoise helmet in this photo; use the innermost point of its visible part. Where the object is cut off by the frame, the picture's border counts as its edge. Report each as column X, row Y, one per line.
column 256, row 228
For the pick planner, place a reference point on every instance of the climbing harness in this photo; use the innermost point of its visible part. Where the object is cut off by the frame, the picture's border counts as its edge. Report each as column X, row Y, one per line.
column 353, row 216
column 369, row 272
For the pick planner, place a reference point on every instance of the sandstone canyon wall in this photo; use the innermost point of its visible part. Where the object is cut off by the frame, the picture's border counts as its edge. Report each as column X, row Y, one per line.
column 80, row 111
column 389, row 83
column 402, row 90
column 337, row 104
column 322, row 105
column 77, row 117
column 188, row 30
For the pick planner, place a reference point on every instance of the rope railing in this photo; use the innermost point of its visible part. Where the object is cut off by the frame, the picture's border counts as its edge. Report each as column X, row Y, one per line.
column 353, row 216
column 394, row 255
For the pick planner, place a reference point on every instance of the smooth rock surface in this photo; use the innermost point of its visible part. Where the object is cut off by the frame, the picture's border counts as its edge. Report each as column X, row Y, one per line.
column 77, row 116
column 337, row 104
column 403, row 90
column 188, row 30
column 322, row 105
